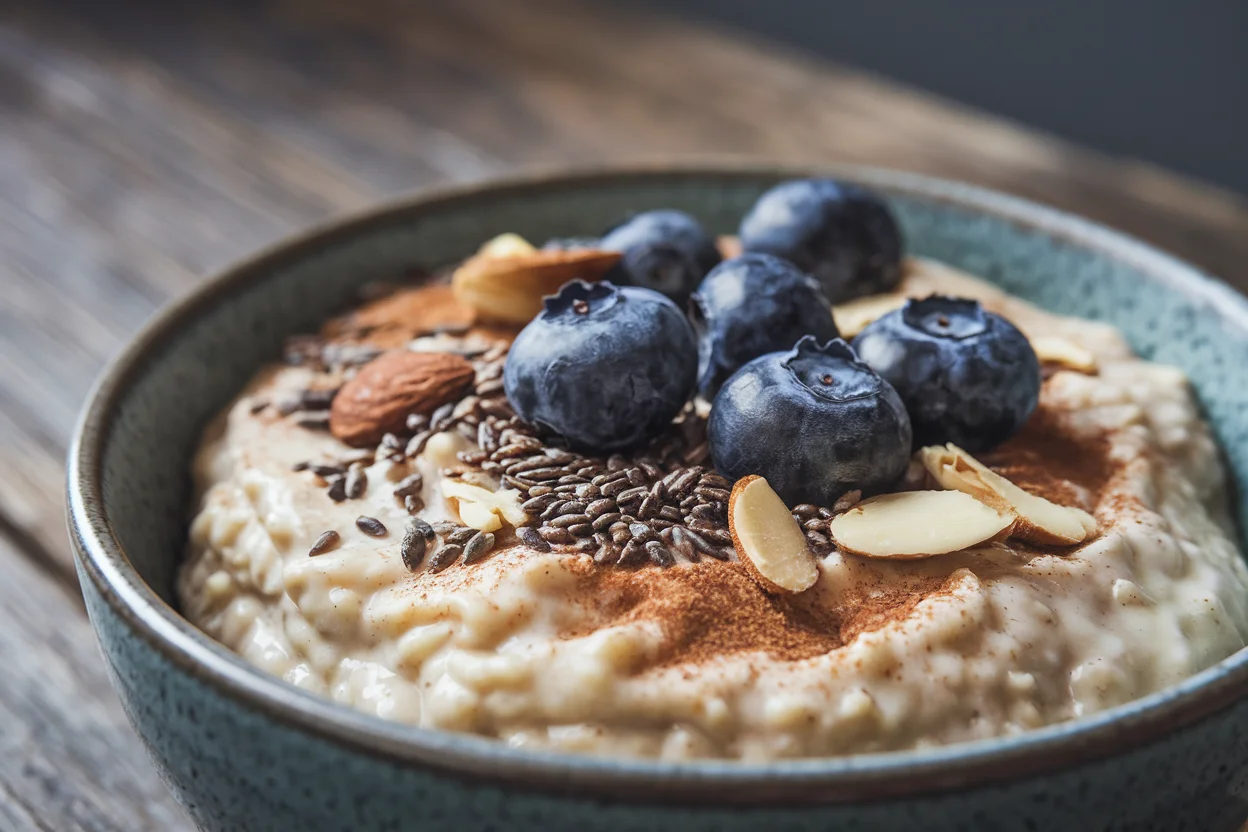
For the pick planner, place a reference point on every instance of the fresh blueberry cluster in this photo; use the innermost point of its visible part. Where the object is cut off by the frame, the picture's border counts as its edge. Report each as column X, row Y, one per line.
column 608, row 367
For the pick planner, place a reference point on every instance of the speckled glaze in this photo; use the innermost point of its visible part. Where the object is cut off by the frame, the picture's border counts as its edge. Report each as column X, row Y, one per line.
column 243, row 751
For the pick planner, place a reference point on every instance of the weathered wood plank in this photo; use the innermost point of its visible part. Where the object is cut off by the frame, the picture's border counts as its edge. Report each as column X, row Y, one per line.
column 68, row 759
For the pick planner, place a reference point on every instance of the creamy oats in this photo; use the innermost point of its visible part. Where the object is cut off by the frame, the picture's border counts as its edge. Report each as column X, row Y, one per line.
column 552, row 650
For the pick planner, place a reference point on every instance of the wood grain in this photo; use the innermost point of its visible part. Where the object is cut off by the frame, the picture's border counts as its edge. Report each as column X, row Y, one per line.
column 68, row 759
column 143, row 144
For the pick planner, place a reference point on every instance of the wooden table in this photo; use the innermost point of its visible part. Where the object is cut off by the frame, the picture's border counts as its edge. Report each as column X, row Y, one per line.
column 144, row 144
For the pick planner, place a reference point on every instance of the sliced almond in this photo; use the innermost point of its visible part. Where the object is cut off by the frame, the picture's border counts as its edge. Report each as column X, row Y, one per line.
column 1068, row 355
column 729, row 246
column 917, row 524
column 507, row 245
column 506, row 280
column 1039, row 520
column 853, row 316
column 768, row 540
column 475, row 502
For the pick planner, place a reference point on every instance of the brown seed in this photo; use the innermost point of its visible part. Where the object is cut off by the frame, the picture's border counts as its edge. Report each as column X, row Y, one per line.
column 445, row 556
column 713, row 480
column 478, row 546
column 717, row 494
column 636, row 478
column 337, row 489
column 671, row 514
column 411, row 484
column 818, row 538
column 620, row 535
column 553, row 509
column 581, row 530
column 566, row 490
column 659, row 554
column 489, row 388
column 413, row 503
column 616, row 462
column 632, row 495
column 686, row 481
column 572, row 480
column 516, row 483
column 416, row 445
column 327, row 542
column 615, row 487
column 567, row 520
column 705, row 513
column 649, row 507
column 651, row 470
column 444, row 527
column 357, row 482
column 538, row 504
column 421, row 528
column 679, row 541
column 441, row 418
column 641, row 532
column 599, row 507
column 326, row 471
column 412, row 549
column 471, row 457
column 587, row 491
column 572, row 507
column 317, row 399
column 805, row 511
column 314, row 420
column 533, row 463
column 605, row 521
column 540, row 490
column 608, row 554
column 588, row 472
column 371, row 526
column 530, row 537
column 703, row 545
column 551, row 535
column 462, row 534
column 633, row 555
column 542, row 474
column 417, row 422
column 817, row 524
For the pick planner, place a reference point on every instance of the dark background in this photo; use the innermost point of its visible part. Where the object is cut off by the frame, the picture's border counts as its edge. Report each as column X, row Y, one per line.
column 1160, row 80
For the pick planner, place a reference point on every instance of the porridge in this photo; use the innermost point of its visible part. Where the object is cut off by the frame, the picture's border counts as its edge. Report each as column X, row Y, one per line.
column 425, row 520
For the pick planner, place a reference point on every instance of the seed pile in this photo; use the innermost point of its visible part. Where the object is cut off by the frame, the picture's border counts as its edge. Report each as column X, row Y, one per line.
column 623, row 510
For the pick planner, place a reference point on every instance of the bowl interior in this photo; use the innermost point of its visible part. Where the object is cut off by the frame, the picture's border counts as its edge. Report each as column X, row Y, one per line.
column 191, row 369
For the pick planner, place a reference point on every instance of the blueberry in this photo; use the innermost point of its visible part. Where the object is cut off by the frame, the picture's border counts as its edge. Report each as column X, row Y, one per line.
column 967, row 376
column 750, row 306
column 667, row 251
column 842, row 234
column 815, row 421
column 603, row 366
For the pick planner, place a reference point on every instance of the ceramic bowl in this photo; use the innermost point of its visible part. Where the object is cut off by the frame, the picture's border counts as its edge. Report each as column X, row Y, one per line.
column 245, row 751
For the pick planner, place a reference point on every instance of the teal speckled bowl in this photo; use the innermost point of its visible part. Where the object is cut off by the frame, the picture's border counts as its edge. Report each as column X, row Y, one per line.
column 244, row 751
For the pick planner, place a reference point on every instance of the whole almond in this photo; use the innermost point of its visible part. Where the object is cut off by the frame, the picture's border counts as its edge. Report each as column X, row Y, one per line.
column 388, row 388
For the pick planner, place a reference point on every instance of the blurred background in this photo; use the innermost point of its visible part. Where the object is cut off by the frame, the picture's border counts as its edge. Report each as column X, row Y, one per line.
column 1160, row 80
column 146, row 143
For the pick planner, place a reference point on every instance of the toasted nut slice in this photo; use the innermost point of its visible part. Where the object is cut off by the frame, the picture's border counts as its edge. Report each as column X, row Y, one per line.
column 729, row 246
column 506, row 245
column 1066, row 354
column 507, row 279
column 917, row 524
column 768, row 540
column 1039, row 520
column 476, row 502
column 853, row 316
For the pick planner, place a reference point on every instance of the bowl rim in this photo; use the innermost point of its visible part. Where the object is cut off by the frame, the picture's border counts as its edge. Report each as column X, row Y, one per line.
column 855, row 778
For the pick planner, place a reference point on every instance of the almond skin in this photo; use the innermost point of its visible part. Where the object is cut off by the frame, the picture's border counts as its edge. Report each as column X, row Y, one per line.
column 393, row 385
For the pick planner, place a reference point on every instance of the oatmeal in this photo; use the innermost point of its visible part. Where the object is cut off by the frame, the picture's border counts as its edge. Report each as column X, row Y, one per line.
column 545, row 648
column 424, row 519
